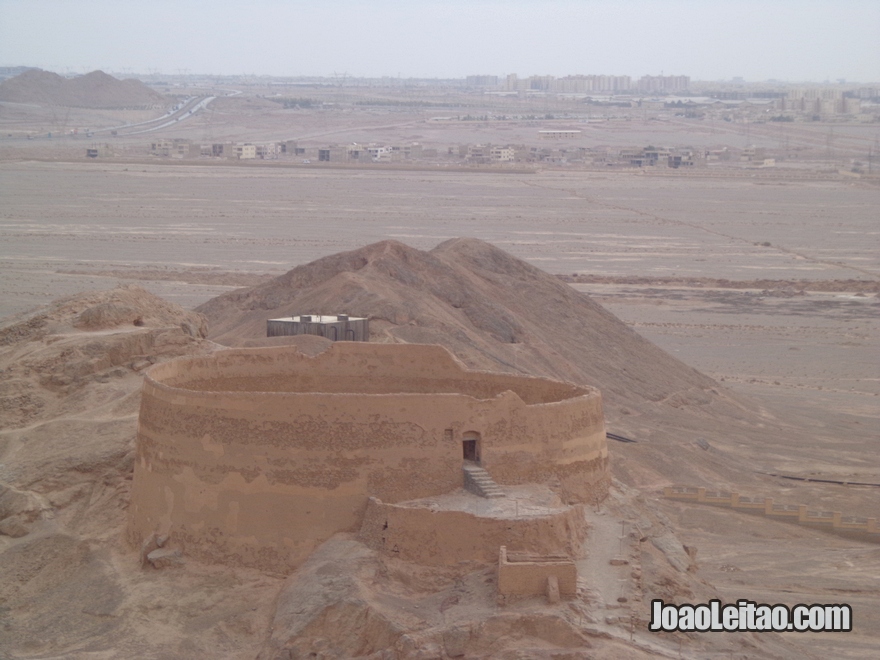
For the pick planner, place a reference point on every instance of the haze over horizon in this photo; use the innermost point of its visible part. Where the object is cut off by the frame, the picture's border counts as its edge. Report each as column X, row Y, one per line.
column 787, row 40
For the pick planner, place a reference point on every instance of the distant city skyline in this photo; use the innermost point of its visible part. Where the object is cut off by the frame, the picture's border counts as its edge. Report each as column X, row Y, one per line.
column 784, row 40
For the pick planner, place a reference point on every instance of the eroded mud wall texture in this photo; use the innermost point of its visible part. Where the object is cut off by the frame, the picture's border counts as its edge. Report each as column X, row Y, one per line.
column 256, row 456
column 450, row 538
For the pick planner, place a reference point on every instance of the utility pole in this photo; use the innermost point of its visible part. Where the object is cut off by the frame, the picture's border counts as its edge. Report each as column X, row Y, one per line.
column 873, row 150
column 828, row 142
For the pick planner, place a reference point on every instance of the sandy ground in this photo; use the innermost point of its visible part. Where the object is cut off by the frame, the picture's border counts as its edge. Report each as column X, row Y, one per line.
column 189, row 232
column 816, row 349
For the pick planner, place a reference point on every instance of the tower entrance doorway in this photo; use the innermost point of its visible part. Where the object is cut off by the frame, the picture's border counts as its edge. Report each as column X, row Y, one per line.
column 470, row 447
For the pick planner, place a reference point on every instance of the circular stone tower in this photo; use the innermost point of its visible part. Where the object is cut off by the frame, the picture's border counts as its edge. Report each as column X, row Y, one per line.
column 256, row 456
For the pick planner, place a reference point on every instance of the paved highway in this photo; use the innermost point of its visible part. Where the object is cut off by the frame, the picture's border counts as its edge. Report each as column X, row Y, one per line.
column 184, row 113
column 186, row 109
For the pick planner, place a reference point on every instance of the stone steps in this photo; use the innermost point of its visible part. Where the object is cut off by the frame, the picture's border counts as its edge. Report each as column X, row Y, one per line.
column 479, row 482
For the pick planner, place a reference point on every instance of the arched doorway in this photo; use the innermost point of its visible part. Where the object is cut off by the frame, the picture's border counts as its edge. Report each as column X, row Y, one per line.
column 470, row 447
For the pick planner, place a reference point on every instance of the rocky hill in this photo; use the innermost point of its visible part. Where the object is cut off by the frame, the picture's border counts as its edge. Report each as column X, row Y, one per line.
column 92, row 90
column 70, row 378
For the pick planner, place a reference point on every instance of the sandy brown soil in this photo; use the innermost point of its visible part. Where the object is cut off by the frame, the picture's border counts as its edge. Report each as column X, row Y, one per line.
column 63, row 215
column 795, row 371
column 68, row 227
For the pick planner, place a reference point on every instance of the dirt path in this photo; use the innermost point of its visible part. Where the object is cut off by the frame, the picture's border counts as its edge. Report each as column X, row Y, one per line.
column 609, row 582
column 609, row 540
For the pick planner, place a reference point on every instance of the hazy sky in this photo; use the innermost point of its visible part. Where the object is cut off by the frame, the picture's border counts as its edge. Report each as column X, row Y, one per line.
column 705, row 39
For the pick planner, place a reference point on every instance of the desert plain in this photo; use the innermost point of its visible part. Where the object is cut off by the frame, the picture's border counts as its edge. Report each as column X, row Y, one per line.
column 767, row 281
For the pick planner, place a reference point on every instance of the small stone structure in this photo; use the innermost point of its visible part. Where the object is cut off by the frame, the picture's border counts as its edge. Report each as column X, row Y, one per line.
column 338, row 327
column 256, row 456
column 458, row 528
column 531, row 575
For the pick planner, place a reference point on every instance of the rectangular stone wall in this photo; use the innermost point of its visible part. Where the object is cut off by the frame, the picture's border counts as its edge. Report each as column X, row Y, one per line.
column 447, row 537
column 796, row 513
column 529, row 578
column 340, row 330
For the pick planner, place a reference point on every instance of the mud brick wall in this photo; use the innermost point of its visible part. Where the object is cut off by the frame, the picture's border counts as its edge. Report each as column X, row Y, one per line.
column 256, row 456
column 447, row 538
column 529, row 578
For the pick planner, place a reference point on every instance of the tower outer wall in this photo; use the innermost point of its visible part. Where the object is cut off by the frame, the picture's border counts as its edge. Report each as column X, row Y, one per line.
column 233, row 473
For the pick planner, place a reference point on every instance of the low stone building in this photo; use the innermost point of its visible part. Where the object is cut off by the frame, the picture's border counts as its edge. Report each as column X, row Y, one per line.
column 335, row 327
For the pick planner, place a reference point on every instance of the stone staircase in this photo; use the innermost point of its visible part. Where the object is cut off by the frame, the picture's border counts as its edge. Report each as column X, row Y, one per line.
column 478, row 482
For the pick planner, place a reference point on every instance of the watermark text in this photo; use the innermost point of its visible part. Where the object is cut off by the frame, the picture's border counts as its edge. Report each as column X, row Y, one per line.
column 746, row 615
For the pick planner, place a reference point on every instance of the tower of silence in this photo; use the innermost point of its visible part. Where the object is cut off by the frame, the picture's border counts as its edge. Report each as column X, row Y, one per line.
column 256, row 456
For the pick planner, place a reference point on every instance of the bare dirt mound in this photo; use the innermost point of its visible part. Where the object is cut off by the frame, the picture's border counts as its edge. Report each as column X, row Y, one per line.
column 493, row 310
column 71, row 374
column 335, row 602
column 70, row 379
column 92, row 90
column 499, row 313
